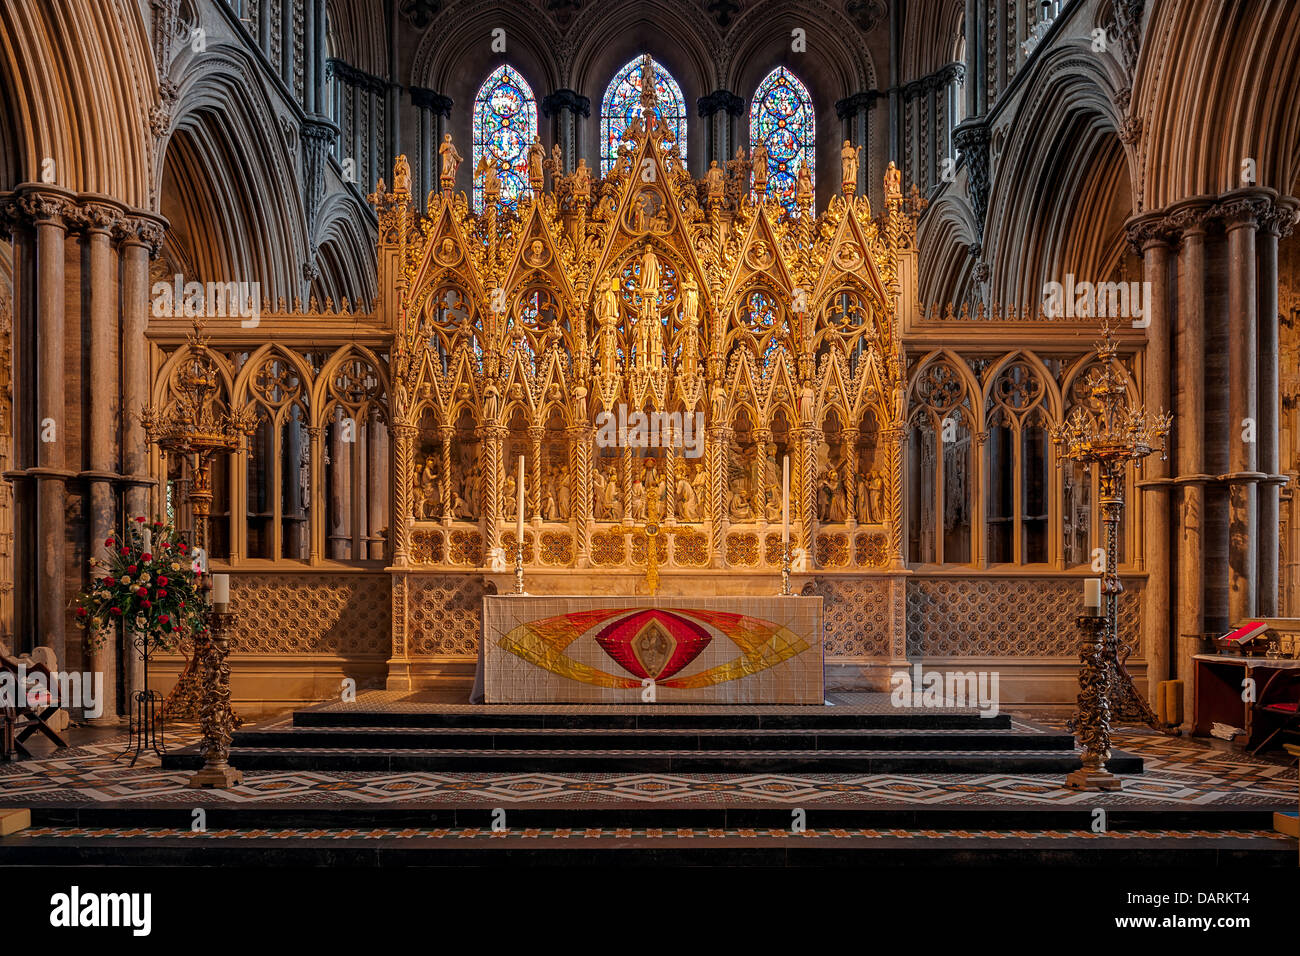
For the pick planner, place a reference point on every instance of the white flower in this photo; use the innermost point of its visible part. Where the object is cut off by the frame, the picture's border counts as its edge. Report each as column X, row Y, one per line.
column 125, row 579
column 175, row 566
column 144, row 578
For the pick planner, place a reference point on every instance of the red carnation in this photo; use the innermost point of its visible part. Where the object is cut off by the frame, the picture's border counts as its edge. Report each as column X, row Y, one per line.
column 162, row 580
column 162, row 592
column 140, row 519
column 175, row 628
column 109, row 581
column 147, row 603
column 115, row 610
column 182, row 547
column 163, row 618
column 146, row 558
column 182, row 604
column 157, row 524
column 81, row 612
column 108, row 543
column 132, row 568
column 143, row 592
column 125, row 551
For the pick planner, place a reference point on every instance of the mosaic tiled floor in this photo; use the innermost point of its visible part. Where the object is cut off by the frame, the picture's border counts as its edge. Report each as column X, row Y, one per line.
column 1179, row 772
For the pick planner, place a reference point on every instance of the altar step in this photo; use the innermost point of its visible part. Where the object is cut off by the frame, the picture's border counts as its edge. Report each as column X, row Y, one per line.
column 648, row 739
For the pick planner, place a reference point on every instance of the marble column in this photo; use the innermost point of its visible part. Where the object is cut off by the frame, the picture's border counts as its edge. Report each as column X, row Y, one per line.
column 98, row 220
column 1241, row 220
column 1151, row 240
column 564, row 107
column 719, row 108
column 139, row 239
column 1272, row 226
column 47, row 211
column 1189, row 443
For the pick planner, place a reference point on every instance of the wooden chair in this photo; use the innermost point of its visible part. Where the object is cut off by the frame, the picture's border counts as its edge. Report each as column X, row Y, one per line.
column 31, row 718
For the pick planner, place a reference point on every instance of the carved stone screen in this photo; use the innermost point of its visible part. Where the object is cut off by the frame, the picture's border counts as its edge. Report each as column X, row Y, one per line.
column 664, row 650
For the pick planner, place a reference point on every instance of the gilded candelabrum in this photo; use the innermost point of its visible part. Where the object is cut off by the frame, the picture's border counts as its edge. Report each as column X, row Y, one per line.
column 1107, row 432
column 216, row 716
column 196, row 426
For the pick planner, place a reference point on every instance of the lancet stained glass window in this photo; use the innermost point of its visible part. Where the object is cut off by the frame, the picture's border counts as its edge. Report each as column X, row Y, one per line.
column 622, row 104
column 781, row 118
column 505, row 122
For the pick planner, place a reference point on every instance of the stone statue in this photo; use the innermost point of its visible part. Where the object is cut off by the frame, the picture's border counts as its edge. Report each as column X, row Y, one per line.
column 613, row 501
column 758, row 159
column 688, row 362
column 804, row 186
column 450, row 161
column 427, row 507
column 582, row 181
column 607, row 319
column 893, row 182
column 598, row 494
column 739, row 509
column 487, row 168
column 700, row 483
column 636, row 504
column 876, row 490
column 849, row 163
column 688, row 505
column 402, row 175
column 509, row 497
column 536, row 154
column 716, row 182
column 563, row 493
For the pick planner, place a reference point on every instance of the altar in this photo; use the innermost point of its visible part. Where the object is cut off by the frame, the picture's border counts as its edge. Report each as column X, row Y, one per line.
column 651, row 649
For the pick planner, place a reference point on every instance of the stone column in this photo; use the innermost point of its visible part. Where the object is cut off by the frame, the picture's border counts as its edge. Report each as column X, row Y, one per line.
column 139, row 240
column 535, row 471
column 340, row 496
column 102, row 413
column 434, row 110
column 1241, row 220
column 580, row 440
column 1272, row 226
column 564, row 107
column 403, row 466
column 1151, row 240
column 1189, row 443
column 492, row 438
column 47, row 211
column 719, row 108
column 315, row 513
column 446, row 433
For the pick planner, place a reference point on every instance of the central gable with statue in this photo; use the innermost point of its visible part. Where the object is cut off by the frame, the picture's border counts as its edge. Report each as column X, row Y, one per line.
column 704, row 329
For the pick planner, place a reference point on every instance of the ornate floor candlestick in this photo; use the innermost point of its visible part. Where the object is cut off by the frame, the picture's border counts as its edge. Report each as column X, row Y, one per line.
column 197, row 426
column 216, row 716
column 1107, row 432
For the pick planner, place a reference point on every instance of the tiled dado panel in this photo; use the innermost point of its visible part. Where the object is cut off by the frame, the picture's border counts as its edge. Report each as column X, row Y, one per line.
column 855, row 615
column 444, row 614
column 981, row 616
column 312, row 613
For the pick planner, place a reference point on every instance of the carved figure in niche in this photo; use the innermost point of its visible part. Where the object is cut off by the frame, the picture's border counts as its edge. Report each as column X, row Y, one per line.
column 737, row 176
column 581, row 180
column 893, row 182
column 700, row 483
column 688, row 362
column 688, row 505
column 579, row 403
column 864, row 500
column 607, row 317
column 664, row 132
column 826, row 483
column 536, row 154
column 536, row 255
column 761, row 257
column 611, row 506
column 450, row 161
column 716, row 181
column 550, row 509
column 876, row 491
column 447, row 251
column 849, row 158
column 563, row 493
column 427, row 506
column 719, row 400
column 460, row 508
column 640, row 213
column 636, row 504
column 803, row 193
column 660, row 222
column 739, row 508
column 402, row 175
column 839, row 501
column 598, row 494
column 491, row 399
column 487, row 168
column 509, row 496
column 758, row 157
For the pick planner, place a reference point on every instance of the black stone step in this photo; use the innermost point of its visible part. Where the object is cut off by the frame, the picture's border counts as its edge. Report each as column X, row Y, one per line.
column 924, row 848
column 649, row 761
column 520, row 738
column 745, row 812
column 650, row 718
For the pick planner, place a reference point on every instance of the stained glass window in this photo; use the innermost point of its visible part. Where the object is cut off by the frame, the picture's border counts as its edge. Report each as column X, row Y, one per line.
column 505, row 122
column 781, row 118
column 622, row 104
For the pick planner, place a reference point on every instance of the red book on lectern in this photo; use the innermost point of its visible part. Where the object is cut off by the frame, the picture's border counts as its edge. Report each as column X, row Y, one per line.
column 1246, row 633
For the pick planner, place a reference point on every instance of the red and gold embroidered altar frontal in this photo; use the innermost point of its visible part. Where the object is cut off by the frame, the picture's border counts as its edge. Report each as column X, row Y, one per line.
column 723, row 650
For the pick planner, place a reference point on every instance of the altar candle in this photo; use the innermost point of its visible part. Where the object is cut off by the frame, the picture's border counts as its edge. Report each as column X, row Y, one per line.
column 1092, row 596
column 220, row 590
column 519, row 485
column 148, row 541
column 785, row 501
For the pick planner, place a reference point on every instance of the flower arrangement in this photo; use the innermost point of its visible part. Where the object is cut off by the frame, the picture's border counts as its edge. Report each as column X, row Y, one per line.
column 151, row 581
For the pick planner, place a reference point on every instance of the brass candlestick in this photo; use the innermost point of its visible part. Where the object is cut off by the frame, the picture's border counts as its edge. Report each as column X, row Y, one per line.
column 519, row 568
column 1094, row 708
column 785, row 569
column 216, row 715
column 1105, row 431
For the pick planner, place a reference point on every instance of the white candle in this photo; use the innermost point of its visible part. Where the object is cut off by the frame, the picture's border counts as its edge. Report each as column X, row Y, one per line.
column 785, row 501
column 519, row 528
column 148, row 541
column 220, row 590
column 1092, row 595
